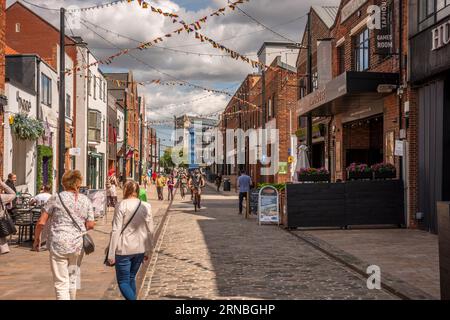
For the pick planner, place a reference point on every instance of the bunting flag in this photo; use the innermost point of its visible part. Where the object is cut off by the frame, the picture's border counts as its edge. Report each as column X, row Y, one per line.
column 188, row 28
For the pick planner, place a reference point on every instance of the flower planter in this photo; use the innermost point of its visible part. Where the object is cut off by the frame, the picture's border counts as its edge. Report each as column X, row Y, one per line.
column 360, row 175
column 385, row 175
column 314, row 177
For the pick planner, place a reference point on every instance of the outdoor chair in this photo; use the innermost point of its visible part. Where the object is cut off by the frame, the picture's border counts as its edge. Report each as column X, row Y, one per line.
column 24, row 220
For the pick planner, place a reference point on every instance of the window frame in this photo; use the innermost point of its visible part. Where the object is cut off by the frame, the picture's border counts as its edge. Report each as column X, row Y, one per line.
column 46, row 90
column 96, row 128
column 361, row 42
column 68, row 109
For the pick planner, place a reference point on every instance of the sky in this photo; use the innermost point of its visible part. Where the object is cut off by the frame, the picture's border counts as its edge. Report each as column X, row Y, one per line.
column 234, row 30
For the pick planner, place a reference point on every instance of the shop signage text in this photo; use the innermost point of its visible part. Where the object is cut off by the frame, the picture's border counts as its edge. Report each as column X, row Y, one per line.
column 441, row 36
column 24, row 105
column 350, row 8
column 382, row 24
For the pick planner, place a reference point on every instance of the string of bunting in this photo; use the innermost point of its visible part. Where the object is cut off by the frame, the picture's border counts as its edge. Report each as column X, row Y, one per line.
column 146, row 45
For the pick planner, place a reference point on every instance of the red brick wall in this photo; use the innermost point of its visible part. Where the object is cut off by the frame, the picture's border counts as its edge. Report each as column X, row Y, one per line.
column 2, row 75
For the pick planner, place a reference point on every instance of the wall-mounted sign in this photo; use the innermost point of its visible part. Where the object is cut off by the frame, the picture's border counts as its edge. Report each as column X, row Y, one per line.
column 350, row 8
column 441, row 36
column 399, row 148
column 282, row 167
column 24, row 105
column 74, row 151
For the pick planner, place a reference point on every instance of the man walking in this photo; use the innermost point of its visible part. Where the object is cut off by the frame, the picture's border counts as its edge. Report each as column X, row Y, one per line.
column 244, row 183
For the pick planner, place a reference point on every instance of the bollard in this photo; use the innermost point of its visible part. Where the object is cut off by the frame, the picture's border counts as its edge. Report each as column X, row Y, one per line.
column 443, row 211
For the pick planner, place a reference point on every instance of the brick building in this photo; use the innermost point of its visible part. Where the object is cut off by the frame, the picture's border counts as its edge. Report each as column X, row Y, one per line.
column 124, row 89
column 265, row 100
column 322, row 18
column 3, row 100
column 428, row 108
column 363, row 101
column 28, row 33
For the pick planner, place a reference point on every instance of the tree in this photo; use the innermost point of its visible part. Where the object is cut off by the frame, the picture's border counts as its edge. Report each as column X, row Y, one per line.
column 166, row 160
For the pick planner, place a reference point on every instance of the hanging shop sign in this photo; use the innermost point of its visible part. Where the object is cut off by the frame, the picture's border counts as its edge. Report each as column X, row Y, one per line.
column 74, row 151
column 268, row 208
column 384, row 39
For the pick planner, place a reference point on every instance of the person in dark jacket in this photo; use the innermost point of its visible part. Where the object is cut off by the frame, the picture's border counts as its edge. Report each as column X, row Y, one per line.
column 11, row 182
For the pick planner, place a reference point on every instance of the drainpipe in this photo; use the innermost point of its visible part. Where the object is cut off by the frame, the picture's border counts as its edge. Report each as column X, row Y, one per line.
column 310, row 90
column 38, row 110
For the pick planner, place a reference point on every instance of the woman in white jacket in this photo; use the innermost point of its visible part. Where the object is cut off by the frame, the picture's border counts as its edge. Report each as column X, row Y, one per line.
column 131, row 239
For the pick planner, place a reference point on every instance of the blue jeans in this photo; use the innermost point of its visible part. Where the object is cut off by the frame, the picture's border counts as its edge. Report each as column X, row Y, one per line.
column 126, row 269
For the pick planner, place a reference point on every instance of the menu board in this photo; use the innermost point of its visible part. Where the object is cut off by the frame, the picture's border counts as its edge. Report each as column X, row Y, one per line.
column 254, row 200
column 98, row 199
column 268, row 206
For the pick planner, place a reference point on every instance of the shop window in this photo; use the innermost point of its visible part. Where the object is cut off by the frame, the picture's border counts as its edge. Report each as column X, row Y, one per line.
column 362, row 51
column 441, row 4
column 426, row 9
column 341, row 59
column 68, row 107
column 274, row 109
column 94, row 126
column 46, row 90
column 269, row 109
column 315, row 81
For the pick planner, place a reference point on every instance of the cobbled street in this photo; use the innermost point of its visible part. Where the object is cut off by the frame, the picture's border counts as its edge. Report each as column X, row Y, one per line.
column 216, row 254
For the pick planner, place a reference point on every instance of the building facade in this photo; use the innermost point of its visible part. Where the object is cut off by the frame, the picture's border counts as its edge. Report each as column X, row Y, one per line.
column 91, row 116
column 429, row 106
column 124, row 89
column 33, row 91
column 28, row 33
column 112, row 124
column 362, row 104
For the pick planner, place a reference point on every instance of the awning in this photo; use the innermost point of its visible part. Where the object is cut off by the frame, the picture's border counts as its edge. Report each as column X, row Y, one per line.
column 350, row 90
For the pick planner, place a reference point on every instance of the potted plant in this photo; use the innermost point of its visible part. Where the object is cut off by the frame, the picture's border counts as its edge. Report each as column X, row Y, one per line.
column 314, row 175
column 384, row 171
column 26, row 128
column 359, row 172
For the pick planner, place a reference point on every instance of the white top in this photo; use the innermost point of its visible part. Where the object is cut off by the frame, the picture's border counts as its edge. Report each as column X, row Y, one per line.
column 138, row 236
column 42, row 198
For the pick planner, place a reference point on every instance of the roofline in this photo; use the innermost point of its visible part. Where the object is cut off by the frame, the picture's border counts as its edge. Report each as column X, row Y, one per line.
column 38, row 57
column 38, row 16
column 319, row 6
column 273, row 43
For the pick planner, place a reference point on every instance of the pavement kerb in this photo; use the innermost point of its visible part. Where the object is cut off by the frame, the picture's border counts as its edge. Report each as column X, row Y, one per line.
column 393, row 285
column 113, row 293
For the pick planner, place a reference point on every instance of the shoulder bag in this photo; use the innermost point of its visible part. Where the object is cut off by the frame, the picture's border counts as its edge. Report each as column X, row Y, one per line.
column 106, row 261
column 7, row 226
column 88, row 242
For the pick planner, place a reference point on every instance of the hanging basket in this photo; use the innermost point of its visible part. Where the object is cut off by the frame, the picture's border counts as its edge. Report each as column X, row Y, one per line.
column 26, row 128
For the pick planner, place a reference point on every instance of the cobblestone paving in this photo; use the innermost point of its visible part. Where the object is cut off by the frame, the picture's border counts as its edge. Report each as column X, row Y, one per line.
column 216, row 254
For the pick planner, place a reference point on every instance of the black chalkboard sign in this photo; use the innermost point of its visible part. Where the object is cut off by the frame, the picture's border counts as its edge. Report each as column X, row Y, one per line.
column 254, row 200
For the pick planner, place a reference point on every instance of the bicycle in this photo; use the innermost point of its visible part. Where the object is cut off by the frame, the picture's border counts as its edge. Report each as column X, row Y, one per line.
column 196, row 198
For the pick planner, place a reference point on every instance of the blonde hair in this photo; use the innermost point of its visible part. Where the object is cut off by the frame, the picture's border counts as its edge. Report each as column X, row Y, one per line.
column 130, row 188
column 72, row 179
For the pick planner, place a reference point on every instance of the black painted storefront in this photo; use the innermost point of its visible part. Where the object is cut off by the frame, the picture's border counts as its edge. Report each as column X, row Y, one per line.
column 430, row 77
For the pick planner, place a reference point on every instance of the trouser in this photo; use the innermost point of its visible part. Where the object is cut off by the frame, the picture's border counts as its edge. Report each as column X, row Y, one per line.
column 66, row 274
column 242, row 195
column 160, row 193
column 126, row 269
column 170, row 194
column 4, row 248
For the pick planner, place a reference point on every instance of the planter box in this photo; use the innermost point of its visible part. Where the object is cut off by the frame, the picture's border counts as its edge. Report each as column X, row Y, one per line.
column 314, row 178
column 345, row 204
column 360, row 175
column 385, row 175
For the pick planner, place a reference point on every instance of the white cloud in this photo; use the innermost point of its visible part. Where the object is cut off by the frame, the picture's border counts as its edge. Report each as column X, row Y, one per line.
column 143, row 25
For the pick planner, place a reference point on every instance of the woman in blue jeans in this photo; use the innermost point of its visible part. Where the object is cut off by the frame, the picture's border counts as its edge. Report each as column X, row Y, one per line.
column 131, row 239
